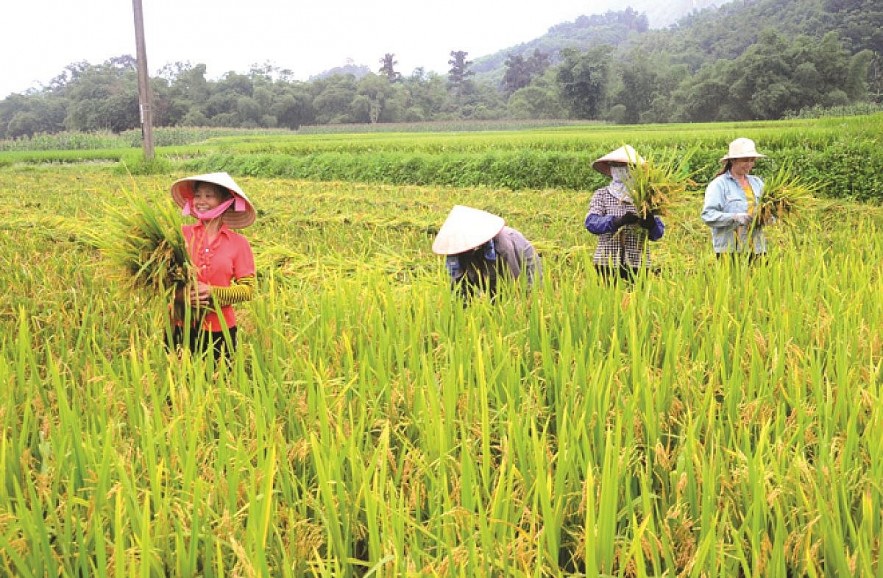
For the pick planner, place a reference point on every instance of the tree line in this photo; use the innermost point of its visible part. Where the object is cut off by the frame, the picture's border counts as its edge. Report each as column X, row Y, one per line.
column 817, row 54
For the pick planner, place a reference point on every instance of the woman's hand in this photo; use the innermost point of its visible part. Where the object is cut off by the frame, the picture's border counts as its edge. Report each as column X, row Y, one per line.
column 629, row 218
column 200, row 294
column 742, row 218
column 648, row 221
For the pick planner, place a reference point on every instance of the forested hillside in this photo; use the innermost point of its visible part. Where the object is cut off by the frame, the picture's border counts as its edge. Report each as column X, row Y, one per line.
column 748, row 59
column 609, row 28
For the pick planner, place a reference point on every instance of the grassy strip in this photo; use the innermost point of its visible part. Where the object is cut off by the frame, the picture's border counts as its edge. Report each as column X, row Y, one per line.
column 844, row 153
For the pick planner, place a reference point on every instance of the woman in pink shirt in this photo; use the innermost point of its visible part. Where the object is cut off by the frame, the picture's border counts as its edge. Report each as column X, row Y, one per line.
column 221, row 257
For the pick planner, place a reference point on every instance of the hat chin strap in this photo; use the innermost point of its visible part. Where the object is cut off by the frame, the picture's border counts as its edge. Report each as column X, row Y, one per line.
column 189, row 209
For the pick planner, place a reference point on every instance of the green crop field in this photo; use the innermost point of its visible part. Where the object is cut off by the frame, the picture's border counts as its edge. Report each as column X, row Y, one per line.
column 714, row 420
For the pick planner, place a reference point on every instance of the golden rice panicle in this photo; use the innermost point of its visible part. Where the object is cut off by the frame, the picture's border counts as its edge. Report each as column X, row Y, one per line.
column 785, row 192
column 658, row 183
column 144, row 241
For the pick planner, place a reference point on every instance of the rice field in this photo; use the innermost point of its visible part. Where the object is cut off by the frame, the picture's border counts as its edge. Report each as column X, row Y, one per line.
column 714, row 420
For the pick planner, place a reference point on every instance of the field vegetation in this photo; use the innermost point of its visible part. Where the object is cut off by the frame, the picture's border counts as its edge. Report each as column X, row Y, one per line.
column 844, row 153
column 714, row 420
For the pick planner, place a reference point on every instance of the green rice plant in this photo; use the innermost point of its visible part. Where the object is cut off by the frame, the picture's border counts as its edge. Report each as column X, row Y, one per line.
column 786, row 192
column 715, row 420
column 659, row 182
column 144, row 243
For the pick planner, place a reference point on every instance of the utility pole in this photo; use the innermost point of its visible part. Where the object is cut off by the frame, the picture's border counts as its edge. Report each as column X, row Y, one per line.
column 144, row 97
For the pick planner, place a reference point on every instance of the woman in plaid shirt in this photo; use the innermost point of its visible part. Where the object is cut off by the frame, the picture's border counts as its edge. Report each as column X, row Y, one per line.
column 622, row 250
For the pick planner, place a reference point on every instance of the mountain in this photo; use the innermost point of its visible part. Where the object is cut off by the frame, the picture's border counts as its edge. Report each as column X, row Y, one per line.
column 613, row 28
column 357, row 70
column 585, row 32
column 664, row 14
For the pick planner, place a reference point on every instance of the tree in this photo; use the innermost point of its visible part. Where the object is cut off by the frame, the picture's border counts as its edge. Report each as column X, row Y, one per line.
column 104, row 97
column 387, row 68
column 71, row 72
column 333, row 97
column 857, row 86
column 533, row 102
column 484, row 102
column 521, row 71
column 181, row 90
column 700, row 98
column 775, row 76
column 662, row 105
column 517, row 74
column 582, row 79
column 22, row 124
column 293, row 107
column 639, row 86
column 375, row 89
column 425, row 95
column 26, row 115
column 459, row 73
column 249, row 112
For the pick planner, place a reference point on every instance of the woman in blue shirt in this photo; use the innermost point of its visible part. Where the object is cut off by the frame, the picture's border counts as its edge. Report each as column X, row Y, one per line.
column 731, row 199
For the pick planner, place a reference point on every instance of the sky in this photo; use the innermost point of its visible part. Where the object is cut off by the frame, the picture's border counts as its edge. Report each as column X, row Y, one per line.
column 39, row 38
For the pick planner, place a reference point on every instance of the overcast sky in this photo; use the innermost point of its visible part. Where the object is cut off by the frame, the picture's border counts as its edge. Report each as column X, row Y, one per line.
column 39, row 38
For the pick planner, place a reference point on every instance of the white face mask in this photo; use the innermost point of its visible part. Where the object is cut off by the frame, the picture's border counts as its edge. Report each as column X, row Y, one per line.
column 620, row 174
column 617, row 187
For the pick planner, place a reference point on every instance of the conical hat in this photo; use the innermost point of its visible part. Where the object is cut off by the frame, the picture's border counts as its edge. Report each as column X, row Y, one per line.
column 238, row 218
column 624, row 154
column 465, row 229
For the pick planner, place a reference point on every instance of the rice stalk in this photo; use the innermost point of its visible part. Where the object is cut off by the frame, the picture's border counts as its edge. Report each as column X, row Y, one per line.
column 144, row 243
column 785, row 193
column 657, row 184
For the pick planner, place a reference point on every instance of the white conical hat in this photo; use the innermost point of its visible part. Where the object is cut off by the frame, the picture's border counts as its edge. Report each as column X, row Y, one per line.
column 241, row 215
column 624, row 154
column 465, row 229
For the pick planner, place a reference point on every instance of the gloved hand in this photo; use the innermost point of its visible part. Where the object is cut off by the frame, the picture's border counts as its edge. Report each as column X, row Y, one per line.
column 648, row 222
column 742, row 218
column 627, row 219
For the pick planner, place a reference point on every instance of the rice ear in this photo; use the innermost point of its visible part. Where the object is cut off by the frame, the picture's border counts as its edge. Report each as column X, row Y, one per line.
column 785, row 192
column 145, row 243
column 658, row 183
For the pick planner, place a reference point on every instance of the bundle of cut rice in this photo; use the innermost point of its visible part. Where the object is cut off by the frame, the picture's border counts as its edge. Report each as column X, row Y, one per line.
column 657, row 183
column 144, row 242
column 784, row 193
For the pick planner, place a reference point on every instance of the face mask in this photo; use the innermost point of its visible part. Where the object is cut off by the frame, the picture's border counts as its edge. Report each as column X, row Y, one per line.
column 619, row 174
column 207, row 215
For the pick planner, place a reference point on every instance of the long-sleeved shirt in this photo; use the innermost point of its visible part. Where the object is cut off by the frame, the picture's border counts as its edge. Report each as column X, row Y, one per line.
column 518, row 254
column 509, row 249
column 724, row 199
column 624, row 246
column 227, row 264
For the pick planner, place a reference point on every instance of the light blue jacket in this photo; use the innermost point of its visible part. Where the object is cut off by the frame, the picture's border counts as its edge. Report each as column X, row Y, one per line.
column 724, row 199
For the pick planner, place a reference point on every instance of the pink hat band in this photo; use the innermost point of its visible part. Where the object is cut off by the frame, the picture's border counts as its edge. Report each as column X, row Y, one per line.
column 243, row 214
column 237, row 202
